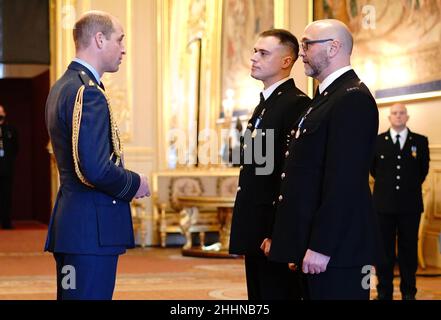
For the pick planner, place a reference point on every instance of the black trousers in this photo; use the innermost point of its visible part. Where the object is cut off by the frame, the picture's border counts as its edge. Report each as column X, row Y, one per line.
column 400, row 229
column 339, row 284
column 5, row 201
column 268, row 280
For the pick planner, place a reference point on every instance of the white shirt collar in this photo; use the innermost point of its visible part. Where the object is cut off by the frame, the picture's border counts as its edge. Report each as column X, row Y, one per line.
column 332, row 77
column 403, row 135
column 269, row 91
column 91, row 69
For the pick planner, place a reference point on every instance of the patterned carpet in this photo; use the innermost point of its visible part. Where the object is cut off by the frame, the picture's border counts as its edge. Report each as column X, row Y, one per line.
column 26, row 273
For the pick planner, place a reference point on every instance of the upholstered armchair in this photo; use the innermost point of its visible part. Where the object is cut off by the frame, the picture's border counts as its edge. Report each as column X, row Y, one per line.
column 173, row 218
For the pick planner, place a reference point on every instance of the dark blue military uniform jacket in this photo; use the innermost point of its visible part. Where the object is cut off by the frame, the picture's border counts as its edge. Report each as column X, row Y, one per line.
column 87, row 220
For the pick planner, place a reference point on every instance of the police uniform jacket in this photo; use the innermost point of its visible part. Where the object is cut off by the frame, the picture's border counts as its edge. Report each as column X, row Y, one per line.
column 87, row 220
column 9, row 141
column 253, row 209
column 325, row 202
column 400, row 174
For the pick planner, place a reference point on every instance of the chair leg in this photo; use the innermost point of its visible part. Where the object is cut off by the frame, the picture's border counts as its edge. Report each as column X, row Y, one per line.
column 202, row 238
column 163, row 239
column 188, row 241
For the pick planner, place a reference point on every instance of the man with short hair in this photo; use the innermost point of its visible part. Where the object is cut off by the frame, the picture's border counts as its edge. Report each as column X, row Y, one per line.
column 325, row 223
column 8, row 154
column 91, row 222
column 400, row 167
column 281, row 104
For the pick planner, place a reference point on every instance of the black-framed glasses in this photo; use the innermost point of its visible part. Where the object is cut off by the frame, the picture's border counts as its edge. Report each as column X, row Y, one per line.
column 306, row 43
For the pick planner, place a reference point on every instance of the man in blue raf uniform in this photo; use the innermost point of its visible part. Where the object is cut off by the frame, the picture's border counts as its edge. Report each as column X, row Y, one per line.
column 400, row 167
column 281, row 104
column 91, row 222
column 325, row 223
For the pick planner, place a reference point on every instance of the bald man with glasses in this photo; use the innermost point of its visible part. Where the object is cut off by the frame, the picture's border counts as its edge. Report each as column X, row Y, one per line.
column 325, row 224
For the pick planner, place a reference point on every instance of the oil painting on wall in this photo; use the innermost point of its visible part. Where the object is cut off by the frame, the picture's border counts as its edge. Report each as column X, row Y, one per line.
column 243, row 20
column 397, row 44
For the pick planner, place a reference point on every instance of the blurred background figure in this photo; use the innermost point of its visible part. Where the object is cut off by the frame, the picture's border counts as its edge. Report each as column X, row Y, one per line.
column 8, row 153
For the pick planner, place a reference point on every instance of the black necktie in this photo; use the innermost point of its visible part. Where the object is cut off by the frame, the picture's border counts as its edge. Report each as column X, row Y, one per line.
column 397, row 143
column 260, row 106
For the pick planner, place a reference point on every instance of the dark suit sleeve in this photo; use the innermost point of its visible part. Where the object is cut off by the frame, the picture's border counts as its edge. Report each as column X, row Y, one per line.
column 425, row 159
column 351, row 137
column 94, row 150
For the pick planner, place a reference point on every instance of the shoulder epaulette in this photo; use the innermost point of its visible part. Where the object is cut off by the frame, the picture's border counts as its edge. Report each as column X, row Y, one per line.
column 86, row 79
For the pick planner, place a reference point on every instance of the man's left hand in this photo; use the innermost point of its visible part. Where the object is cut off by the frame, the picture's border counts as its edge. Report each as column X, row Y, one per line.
column 314, row 262
column 266, row 246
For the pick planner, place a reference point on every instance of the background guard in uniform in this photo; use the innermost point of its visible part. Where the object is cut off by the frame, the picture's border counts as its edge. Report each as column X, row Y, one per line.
column 400, row 167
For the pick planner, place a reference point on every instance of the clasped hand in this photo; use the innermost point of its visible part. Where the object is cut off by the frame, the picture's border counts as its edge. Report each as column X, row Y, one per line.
column 144, row 189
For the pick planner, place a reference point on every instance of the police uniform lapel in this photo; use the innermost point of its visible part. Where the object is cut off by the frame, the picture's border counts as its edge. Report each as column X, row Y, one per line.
column 409, row 143
column 390, row 141
column 270, row 102
column 324, row 96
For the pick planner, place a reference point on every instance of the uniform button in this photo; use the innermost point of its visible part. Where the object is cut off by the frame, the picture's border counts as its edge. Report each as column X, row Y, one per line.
column 238, row 189
column 274, row 203
column 286, row 154
column 382, row 157
column 399, row 157
column 241, row 168
column 280, row 198
column 304, row 130
column 397, row 187
column 245, row 146
column 263, row 134
column 398, row 167
column 398, row 177
column 114, row 201
column 293, row 132
column 283, row 175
